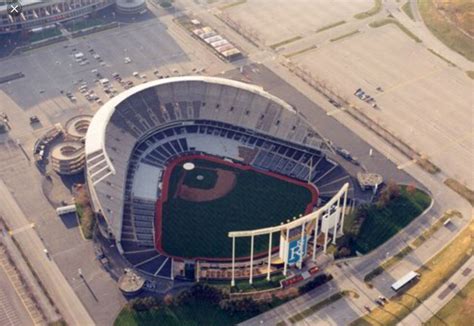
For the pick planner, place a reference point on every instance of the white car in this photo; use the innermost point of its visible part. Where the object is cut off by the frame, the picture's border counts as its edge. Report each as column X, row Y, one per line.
column 127, row 60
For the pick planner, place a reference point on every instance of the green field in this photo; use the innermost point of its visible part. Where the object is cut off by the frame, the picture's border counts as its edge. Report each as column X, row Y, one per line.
column 383, row 223
column 192, row 229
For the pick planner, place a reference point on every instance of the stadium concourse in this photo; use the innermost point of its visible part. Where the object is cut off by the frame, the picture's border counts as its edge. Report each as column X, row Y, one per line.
column 134, row 136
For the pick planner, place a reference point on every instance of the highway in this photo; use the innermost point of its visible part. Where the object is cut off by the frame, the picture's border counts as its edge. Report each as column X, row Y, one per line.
column 63, row 295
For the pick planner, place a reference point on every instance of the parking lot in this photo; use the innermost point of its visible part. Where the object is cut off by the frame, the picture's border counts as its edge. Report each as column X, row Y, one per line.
column 143, row 47
column 423, row 99
column 279, row 20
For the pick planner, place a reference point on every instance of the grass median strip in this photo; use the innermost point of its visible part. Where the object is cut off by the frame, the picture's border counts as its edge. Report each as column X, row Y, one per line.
column 407, row 10
column 288, row 41
column 441, row 57
column 386, row 21
column 461, row 189
column 372, row 11
column 292, row 54
column 344, row 36
column 433, row 273
column 324, row 28
column 233, row 4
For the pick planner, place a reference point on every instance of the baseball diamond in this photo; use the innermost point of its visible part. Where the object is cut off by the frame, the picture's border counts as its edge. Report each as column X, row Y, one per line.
column 193, row 221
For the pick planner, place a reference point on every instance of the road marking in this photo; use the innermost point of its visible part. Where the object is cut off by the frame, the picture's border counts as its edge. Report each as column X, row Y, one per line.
column 408, row 82
column 21, row 229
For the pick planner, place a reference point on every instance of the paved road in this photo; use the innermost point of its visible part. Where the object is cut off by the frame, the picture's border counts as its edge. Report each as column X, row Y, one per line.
column 442, row 296
column 64, row 296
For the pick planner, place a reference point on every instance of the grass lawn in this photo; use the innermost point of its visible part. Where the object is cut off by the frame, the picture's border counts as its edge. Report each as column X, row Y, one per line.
column 193, row 229
column 434, row 273
column 198, row 313
column 381, row 224
column 459, row 311
column 446, row 32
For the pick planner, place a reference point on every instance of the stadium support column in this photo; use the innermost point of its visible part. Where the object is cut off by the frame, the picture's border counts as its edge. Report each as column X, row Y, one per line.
column 336, row 221
column 326, row 239
column 269, row 255
column 300, row 261
column 232, row 282
column 286, row 252
column 344, row 204
column 315, row 240
column 251, row 259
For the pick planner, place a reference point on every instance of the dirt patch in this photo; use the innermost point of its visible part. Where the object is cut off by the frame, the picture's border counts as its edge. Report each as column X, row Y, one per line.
column 224, row 184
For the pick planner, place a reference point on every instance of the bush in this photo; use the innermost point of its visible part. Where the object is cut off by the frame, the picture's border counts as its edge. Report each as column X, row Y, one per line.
column 200, row 292
column 143, row 304
column 317, row 281
column 390, row 192
column 165, row 4
column 245, row 305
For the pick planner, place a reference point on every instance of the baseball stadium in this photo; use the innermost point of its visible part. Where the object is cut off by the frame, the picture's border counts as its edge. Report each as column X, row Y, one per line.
column 203, row 177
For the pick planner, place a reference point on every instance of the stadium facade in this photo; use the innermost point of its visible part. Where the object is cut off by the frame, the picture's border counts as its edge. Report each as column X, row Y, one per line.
column 132, row 138
column 37, row 14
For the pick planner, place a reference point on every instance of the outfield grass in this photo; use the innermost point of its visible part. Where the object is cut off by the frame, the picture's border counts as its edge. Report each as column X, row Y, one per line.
column 381, row 224
column 434, row 273
column 445, row 31
column 192, row 229
column 459, row 311
column 372, row 11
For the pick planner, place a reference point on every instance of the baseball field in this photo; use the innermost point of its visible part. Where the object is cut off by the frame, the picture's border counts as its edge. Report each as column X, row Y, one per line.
column 199, row 207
